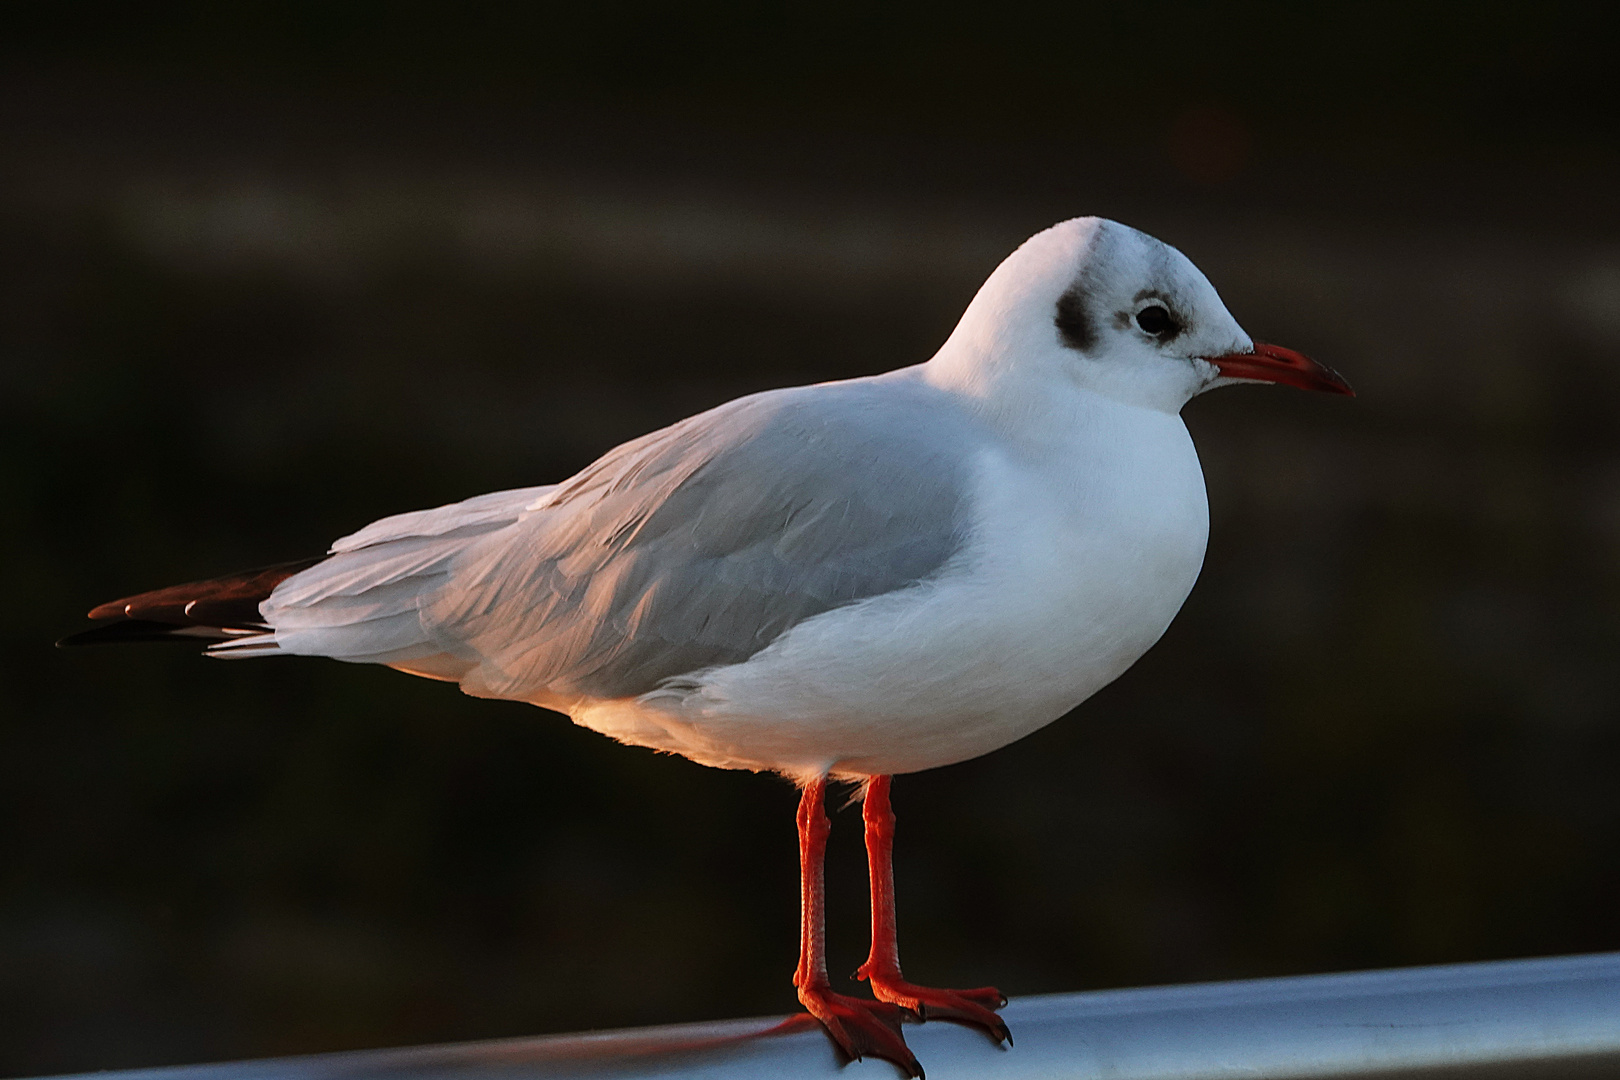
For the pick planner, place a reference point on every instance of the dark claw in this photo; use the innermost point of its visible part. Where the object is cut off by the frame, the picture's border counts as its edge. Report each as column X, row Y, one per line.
column 862, row 1028
column 972, row 1007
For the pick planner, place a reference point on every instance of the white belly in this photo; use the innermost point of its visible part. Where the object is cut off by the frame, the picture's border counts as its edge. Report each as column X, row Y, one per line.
column 1071, row 575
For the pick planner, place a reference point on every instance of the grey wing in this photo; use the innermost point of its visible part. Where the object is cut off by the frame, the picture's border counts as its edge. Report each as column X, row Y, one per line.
column 362, row 602
column 481, row 513
column 701, row 544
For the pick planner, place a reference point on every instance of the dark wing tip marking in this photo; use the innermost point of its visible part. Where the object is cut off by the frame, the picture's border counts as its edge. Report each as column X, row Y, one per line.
column 196, row 611
column 126, row 630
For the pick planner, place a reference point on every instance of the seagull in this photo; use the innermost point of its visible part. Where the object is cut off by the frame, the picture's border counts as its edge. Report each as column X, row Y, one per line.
column 838, row 583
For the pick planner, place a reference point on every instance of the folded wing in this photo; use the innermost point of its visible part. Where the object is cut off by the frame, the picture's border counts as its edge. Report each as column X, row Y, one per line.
column 695, row 546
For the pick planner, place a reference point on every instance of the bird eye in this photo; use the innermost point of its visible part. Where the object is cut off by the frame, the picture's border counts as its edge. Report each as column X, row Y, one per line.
column 1156, row 320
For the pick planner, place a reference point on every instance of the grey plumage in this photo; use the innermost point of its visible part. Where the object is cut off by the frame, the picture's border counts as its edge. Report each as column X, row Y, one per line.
column 695, row 546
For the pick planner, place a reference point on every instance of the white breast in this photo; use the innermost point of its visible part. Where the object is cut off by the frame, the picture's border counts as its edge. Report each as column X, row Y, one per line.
column 1084, row 549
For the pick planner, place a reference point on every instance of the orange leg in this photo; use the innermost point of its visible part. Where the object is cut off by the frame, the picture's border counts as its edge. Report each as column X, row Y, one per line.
column 861, row 1028
column 882, row 967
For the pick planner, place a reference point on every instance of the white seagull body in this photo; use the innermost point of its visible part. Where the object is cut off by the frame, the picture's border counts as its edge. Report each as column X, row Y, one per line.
column 859, row 578
column 848, row 580
column 1056, row 578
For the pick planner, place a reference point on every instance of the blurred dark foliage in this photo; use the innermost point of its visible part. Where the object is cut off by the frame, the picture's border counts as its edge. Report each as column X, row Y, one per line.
column 269, row 271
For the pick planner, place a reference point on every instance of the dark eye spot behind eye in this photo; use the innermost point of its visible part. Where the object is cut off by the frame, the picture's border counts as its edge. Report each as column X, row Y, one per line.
column 1157, row 321
column 1074, row 321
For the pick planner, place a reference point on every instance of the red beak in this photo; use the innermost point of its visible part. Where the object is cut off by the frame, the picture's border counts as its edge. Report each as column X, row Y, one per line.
column 1273, row 363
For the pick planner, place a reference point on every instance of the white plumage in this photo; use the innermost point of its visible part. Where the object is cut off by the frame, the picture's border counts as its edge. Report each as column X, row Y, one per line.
column 869, row 577
column 847, row 580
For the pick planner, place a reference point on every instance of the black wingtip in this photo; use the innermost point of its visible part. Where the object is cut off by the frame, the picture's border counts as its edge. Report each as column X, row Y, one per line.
column 198, row 612
column 127, row 630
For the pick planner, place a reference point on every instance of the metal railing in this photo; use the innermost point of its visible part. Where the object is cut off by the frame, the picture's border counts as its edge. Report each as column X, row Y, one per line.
column 1519, row 1018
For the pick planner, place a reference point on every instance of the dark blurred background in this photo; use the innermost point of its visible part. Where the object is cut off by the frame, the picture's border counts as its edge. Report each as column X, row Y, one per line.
column 271, row 270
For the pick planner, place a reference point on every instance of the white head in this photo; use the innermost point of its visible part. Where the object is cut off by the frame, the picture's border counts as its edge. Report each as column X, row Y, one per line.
column 1114, row 311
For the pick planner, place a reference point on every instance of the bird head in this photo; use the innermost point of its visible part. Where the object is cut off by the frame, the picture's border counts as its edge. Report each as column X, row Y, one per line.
column 1120, row 313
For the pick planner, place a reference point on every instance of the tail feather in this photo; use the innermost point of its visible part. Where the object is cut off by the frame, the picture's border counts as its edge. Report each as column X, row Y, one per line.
column 200, row 611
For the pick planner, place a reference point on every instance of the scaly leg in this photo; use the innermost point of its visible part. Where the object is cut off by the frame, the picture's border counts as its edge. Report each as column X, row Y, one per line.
column 861, row 1028
column 882, row 967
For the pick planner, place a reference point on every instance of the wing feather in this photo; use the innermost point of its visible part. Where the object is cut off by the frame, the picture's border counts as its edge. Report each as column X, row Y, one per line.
column 701, row 544
column 694, row 546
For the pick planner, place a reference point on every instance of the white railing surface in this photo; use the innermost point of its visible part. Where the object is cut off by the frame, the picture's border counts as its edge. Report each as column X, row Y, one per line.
column 1518, row 1018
